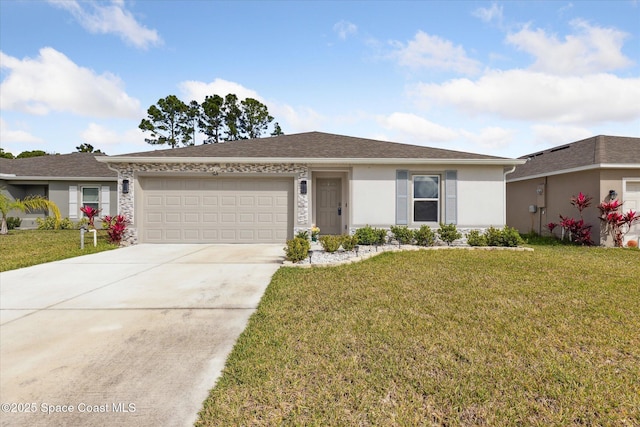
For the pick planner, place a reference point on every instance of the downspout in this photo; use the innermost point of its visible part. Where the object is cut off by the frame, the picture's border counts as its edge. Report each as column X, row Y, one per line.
column 504, row 180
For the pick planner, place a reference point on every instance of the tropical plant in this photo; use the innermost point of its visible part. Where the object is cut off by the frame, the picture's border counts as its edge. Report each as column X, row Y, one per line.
column 116, row 226
column 91, row 213
column 50, row 223
column 616, row 223
column 297, row 249
column 28, row 204
column 304, row 234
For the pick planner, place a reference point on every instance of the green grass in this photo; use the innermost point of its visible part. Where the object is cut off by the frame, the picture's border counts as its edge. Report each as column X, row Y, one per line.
column 23, row 248
column 455, row 338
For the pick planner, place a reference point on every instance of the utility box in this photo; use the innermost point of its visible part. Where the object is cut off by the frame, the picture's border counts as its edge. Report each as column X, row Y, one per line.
column 533, row 208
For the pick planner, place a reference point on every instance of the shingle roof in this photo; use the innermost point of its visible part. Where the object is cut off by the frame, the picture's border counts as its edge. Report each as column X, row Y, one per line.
column 74, row 165
column 596, row 150
column 311, row 145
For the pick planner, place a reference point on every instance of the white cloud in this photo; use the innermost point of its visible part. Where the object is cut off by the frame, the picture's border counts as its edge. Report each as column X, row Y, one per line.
column 494, row 13
column 432, row 52
column 345, row 29
column 52, row 82
column 527, row 95
column 294, row 120
column 101, row 18
column 591, row 49
column 195, row 90
column 492, row 137
column 413, row 128
column 8, row 136
column 102, row 137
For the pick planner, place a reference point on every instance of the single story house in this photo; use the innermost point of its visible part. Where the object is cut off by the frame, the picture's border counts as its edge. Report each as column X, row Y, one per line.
column 266, row 190
column 603, row 167
column 69, row 180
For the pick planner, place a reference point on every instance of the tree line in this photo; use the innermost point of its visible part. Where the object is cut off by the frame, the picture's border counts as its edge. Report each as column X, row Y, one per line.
column 173, row 122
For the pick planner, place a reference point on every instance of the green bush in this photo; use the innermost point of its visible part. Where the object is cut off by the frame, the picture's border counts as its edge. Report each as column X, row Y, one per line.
column 448, row 233
column 13, row 222
column 330, row 243
column 366, row 235
column 380, row 236
column 425, row 236
column 494, row 236
column 510, row 237
column 402, row 234
column 297, row 249
column 349, row 242
column 49, row 223
column 475, row 238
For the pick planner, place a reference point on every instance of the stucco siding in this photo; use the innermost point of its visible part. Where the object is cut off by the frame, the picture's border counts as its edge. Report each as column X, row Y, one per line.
column 373, row 194
column 481, row 197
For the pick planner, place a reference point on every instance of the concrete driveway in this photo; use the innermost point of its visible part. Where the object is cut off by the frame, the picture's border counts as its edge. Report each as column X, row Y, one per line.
column 136, row 336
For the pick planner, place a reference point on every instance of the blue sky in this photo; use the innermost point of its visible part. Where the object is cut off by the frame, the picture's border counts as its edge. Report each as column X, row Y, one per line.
column 500, row 78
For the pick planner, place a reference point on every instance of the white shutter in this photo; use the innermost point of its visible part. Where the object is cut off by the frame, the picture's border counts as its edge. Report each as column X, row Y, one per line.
column 73, row 202
column 105, row 199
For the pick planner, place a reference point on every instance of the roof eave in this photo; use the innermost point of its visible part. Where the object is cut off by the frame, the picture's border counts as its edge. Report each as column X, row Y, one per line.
column 12, row 177
column 578, row 169
column 346, row 161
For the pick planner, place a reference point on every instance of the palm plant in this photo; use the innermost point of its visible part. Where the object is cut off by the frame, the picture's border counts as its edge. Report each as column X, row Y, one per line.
column 28, row 204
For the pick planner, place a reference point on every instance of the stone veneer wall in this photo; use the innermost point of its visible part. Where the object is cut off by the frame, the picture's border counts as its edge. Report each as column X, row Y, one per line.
column 128, row 171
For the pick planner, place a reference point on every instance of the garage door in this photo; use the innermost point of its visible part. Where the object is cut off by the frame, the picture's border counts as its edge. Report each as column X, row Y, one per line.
column 216, row 210
column 631, row 201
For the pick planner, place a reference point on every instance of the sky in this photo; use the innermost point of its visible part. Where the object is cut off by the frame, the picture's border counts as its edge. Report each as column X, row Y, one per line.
column 499, row 78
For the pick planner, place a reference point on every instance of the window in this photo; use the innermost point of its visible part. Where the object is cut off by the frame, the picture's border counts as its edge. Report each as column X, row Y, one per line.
column 426, row 198
column 90, row 197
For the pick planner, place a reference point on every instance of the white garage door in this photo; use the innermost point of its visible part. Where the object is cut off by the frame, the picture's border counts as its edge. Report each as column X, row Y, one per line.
column 216, row 210
column 631, row 199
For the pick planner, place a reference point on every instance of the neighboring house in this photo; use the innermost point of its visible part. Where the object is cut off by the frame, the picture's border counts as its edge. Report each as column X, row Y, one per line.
column 68, row 180
column 603, row 167
column 268, row 189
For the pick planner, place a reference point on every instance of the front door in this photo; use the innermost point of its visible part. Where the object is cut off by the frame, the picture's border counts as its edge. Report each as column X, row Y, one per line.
column 328, row 205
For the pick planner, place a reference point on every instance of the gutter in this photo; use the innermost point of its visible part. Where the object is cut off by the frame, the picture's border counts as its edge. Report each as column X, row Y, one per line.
column 306, row 160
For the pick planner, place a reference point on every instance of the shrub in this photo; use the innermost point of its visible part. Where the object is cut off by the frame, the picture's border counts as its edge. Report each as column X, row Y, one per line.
column 449, row 233
column 494, row 236
column 297, row 249
column 349, row 242
column 380, row 236
column 425, row 236
column 402, row 234
column 510, row 237
column 330, row 243
column 475, row 238
column 366, row 235
column 115, row 226
column 49, row 223
column 13, row 222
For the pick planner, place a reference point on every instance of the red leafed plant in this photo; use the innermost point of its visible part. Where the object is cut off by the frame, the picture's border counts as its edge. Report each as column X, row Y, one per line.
column 575, row 229
column 116, row 227
column 91, row 213
column 616, row 223
column 581, row 201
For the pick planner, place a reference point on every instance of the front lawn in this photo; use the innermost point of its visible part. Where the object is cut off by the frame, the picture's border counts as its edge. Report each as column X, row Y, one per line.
column 23, row 248
column 448, row 337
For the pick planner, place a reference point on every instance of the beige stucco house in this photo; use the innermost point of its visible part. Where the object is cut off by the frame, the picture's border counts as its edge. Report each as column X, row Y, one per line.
column 603, row 167
column 266, row 190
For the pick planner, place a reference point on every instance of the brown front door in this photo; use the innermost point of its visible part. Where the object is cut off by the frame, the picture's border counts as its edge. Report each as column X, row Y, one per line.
column 328, row 205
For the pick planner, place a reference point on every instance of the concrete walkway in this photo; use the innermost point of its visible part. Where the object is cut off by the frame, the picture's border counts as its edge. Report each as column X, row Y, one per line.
column 136, row 336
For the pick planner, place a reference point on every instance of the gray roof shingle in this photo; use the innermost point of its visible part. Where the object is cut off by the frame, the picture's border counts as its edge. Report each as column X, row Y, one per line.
column 596, row 150
column 311, row 145
column 74, row 165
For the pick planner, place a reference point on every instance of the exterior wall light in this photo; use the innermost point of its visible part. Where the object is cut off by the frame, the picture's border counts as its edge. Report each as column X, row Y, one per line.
column 303, row 186
column 612, row 194
column 125, row 186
